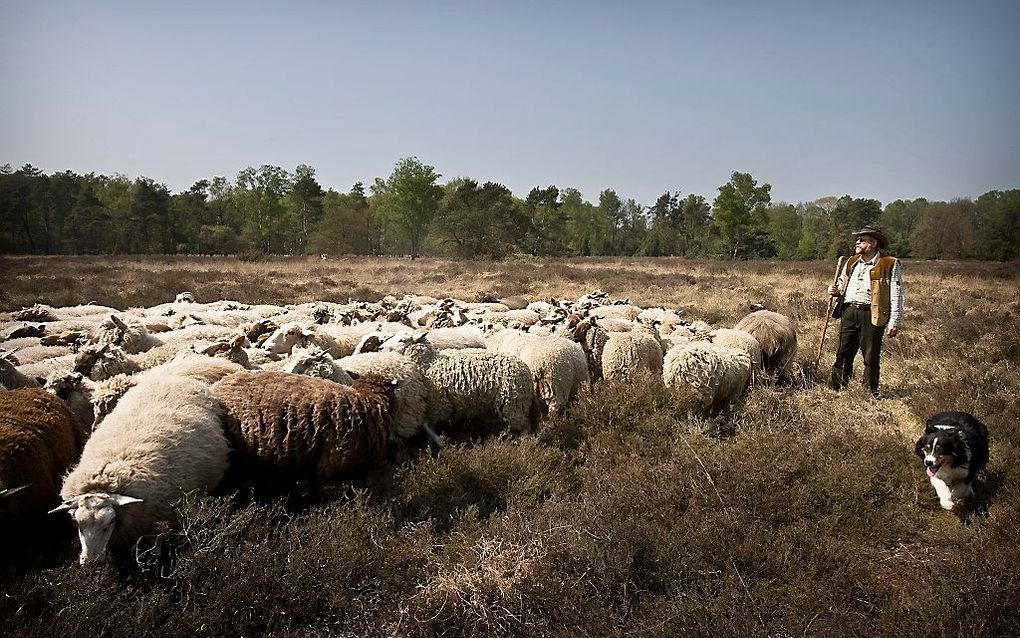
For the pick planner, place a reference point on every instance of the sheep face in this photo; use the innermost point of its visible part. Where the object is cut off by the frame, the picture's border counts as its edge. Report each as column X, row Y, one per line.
column 95, row 515
column 284, row 339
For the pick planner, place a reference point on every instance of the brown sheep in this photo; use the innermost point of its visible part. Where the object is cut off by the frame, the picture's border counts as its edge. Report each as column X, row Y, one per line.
column 307, row 427
column 777, row 335
column 39, row 439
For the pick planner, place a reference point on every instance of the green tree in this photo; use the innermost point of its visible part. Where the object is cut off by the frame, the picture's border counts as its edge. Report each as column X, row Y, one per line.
column 785, row 230
column 945, row 231
column 998, row 234
column 348, row 225
column 548, row 222
column 740, row 212
column 898, row 221
column 480, row 221
column 258, row 195
column 409, row 199
column 150, row 214
column 304, row 206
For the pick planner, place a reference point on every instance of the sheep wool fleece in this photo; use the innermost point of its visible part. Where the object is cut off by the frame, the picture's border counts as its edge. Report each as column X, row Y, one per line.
column 305, row 425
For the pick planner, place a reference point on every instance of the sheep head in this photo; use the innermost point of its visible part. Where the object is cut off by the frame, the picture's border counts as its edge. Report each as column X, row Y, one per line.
column 285, row 338
column 95, row 515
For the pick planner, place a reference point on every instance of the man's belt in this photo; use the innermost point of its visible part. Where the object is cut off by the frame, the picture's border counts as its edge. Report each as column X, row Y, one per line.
column 855, row 304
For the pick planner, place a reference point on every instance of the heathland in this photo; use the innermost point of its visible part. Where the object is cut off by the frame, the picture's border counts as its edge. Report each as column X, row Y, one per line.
column 799, row 512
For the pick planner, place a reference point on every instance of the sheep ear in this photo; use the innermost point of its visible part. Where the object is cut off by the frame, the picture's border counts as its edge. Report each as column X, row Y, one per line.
column 418, row 337
column 353, row 375
column 238, row 342
column 118, row 322
column 42, row 380
column 120, row 499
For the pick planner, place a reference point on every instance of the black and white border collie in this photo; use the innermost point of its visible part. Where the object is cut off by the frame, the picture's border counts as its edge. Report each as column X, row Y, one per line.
column 953, row 448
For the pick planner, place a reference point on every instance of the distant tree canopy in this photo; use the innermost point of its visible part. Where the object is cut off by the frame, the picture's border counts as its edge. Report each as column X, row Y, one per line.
column 269, row 210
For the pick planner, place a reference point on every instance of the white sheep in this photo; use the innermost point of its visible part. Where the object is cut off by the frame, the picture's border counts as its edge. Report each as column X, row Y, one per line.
column 315, row 362
column 410, row 404
column 466, row 385
column 626, row 353
column 716, row 373
column 164, row 439
column 558, row 365
column 130, row 335
column 741, row 340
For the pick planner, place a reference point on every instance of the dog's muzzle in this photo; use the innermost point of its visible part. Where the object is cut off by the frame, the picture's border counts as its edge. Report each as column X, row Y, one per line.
column 931, row 466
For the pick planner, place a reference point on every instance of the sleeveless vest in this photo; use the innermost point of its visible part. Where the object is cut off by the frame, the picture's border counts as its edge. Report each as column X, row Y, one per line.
column 881, row 287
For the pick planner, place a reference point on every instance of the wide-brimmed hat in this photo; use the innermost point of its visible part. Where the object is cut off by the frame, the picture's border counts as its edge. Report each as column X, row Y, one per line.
column 871, row 231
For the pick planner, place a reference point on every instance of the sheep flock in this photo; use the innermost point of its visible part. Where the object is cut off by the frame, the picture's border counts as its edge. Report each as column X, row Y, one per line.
column 113, row 416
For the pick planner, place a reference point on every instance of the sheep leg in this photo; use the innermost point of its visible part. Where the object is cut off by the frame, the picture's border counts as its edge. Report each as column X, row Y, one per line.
column 432, row 436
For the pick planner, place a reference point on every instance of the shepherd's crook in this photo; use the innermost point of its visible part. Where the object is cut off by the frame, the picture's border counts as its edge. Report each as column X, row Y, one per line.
column 828, row 310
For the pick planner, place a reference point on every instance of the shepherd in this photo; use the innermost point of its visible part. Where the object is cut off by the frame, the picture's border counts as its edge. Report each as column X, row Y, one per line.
column 869, row 304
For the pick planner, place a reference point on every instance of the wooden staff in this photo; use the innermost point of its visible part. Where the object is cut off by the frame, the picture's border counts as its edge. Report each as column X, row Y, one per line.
column 828, row 310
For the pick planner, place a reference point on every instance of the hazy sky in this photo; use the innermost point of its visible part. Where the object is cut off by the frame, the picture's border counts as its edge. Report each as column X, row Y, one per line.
column 873, row 99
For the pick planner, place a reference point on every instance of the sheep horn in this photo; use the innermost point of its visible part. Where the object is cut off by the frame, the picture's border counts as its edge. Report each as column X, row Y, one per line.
column 66, row 506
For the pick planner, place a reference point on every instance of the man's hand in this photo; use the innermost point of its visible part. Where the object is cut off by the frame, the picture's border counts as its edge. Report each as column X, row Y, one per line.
column 892, row 331
column 833, row 291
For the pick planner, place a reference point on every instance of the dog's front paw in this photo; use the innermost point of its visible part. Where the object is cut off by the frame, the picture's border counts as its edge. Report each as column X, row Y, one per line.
column 947, row 504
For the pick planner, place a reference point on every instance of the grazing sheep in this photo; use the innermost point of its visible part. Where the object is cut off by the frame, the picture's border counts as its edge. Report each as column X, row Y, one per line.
column 39, row 439
column 315, row 362
column 718, row 374
column 410, row 403
column 102, row 362
column 777, row 335
column 305, row 426
column 11, row 378
column 37, row 353
column 558, row 365
column 592, row 339
column 625, row 353
column 338, row 341
column 465, row 385
column 37, row 313
column 741, row 340
column 89, row 400
column 164, row 439
column 130, row 335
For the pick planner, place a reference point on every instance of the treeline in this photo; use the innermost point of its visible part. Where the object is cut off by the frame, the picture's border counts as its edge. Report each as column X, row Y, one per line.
column 269, row 210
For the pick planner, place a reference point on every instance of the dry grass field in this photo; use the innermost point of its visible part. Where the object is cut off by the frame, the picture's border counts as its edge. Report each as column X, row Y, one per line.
column 802, row 512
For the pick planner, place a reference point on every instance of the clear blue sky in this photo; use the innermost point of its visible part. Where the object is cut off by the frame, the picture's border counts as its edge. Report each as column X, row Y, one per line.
column 874, row 99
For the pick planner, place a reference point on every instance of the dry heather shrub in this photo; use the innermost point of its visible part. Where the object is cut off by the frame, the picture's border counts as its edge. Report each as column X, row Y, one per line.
column 485, row 477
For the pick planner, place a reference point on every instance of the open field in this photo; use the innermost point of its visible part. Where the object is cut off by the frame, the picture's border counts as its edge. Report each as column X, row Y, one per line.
column 803, row 512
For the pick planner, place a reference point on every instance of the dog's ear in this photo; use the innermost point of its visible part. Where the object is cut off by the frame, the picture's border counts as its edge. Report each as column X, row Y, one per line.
column 919, row 448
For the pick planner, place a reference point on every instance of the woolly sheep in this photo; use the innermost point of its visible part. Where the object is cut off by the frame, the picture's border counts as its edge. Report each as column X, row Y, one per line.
column 741, row 340
column 466, row 386
column 592, row 338
column 718, row 374
column 103, row 362
column 130, row 335
column 627, row 312
column 12, row 378
column 625, row 353
column 777, row 335
column 307, row 427
column 315, row 362
column 338, row 341
column 164, row 439
column 558, row 365
column 39, row 439
column 37, row 353
column 410, row 404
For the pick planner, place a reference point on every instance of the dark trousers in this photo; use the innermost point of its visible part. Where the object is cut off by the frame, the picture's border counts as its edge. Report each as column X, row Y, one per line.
column 857, row 333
